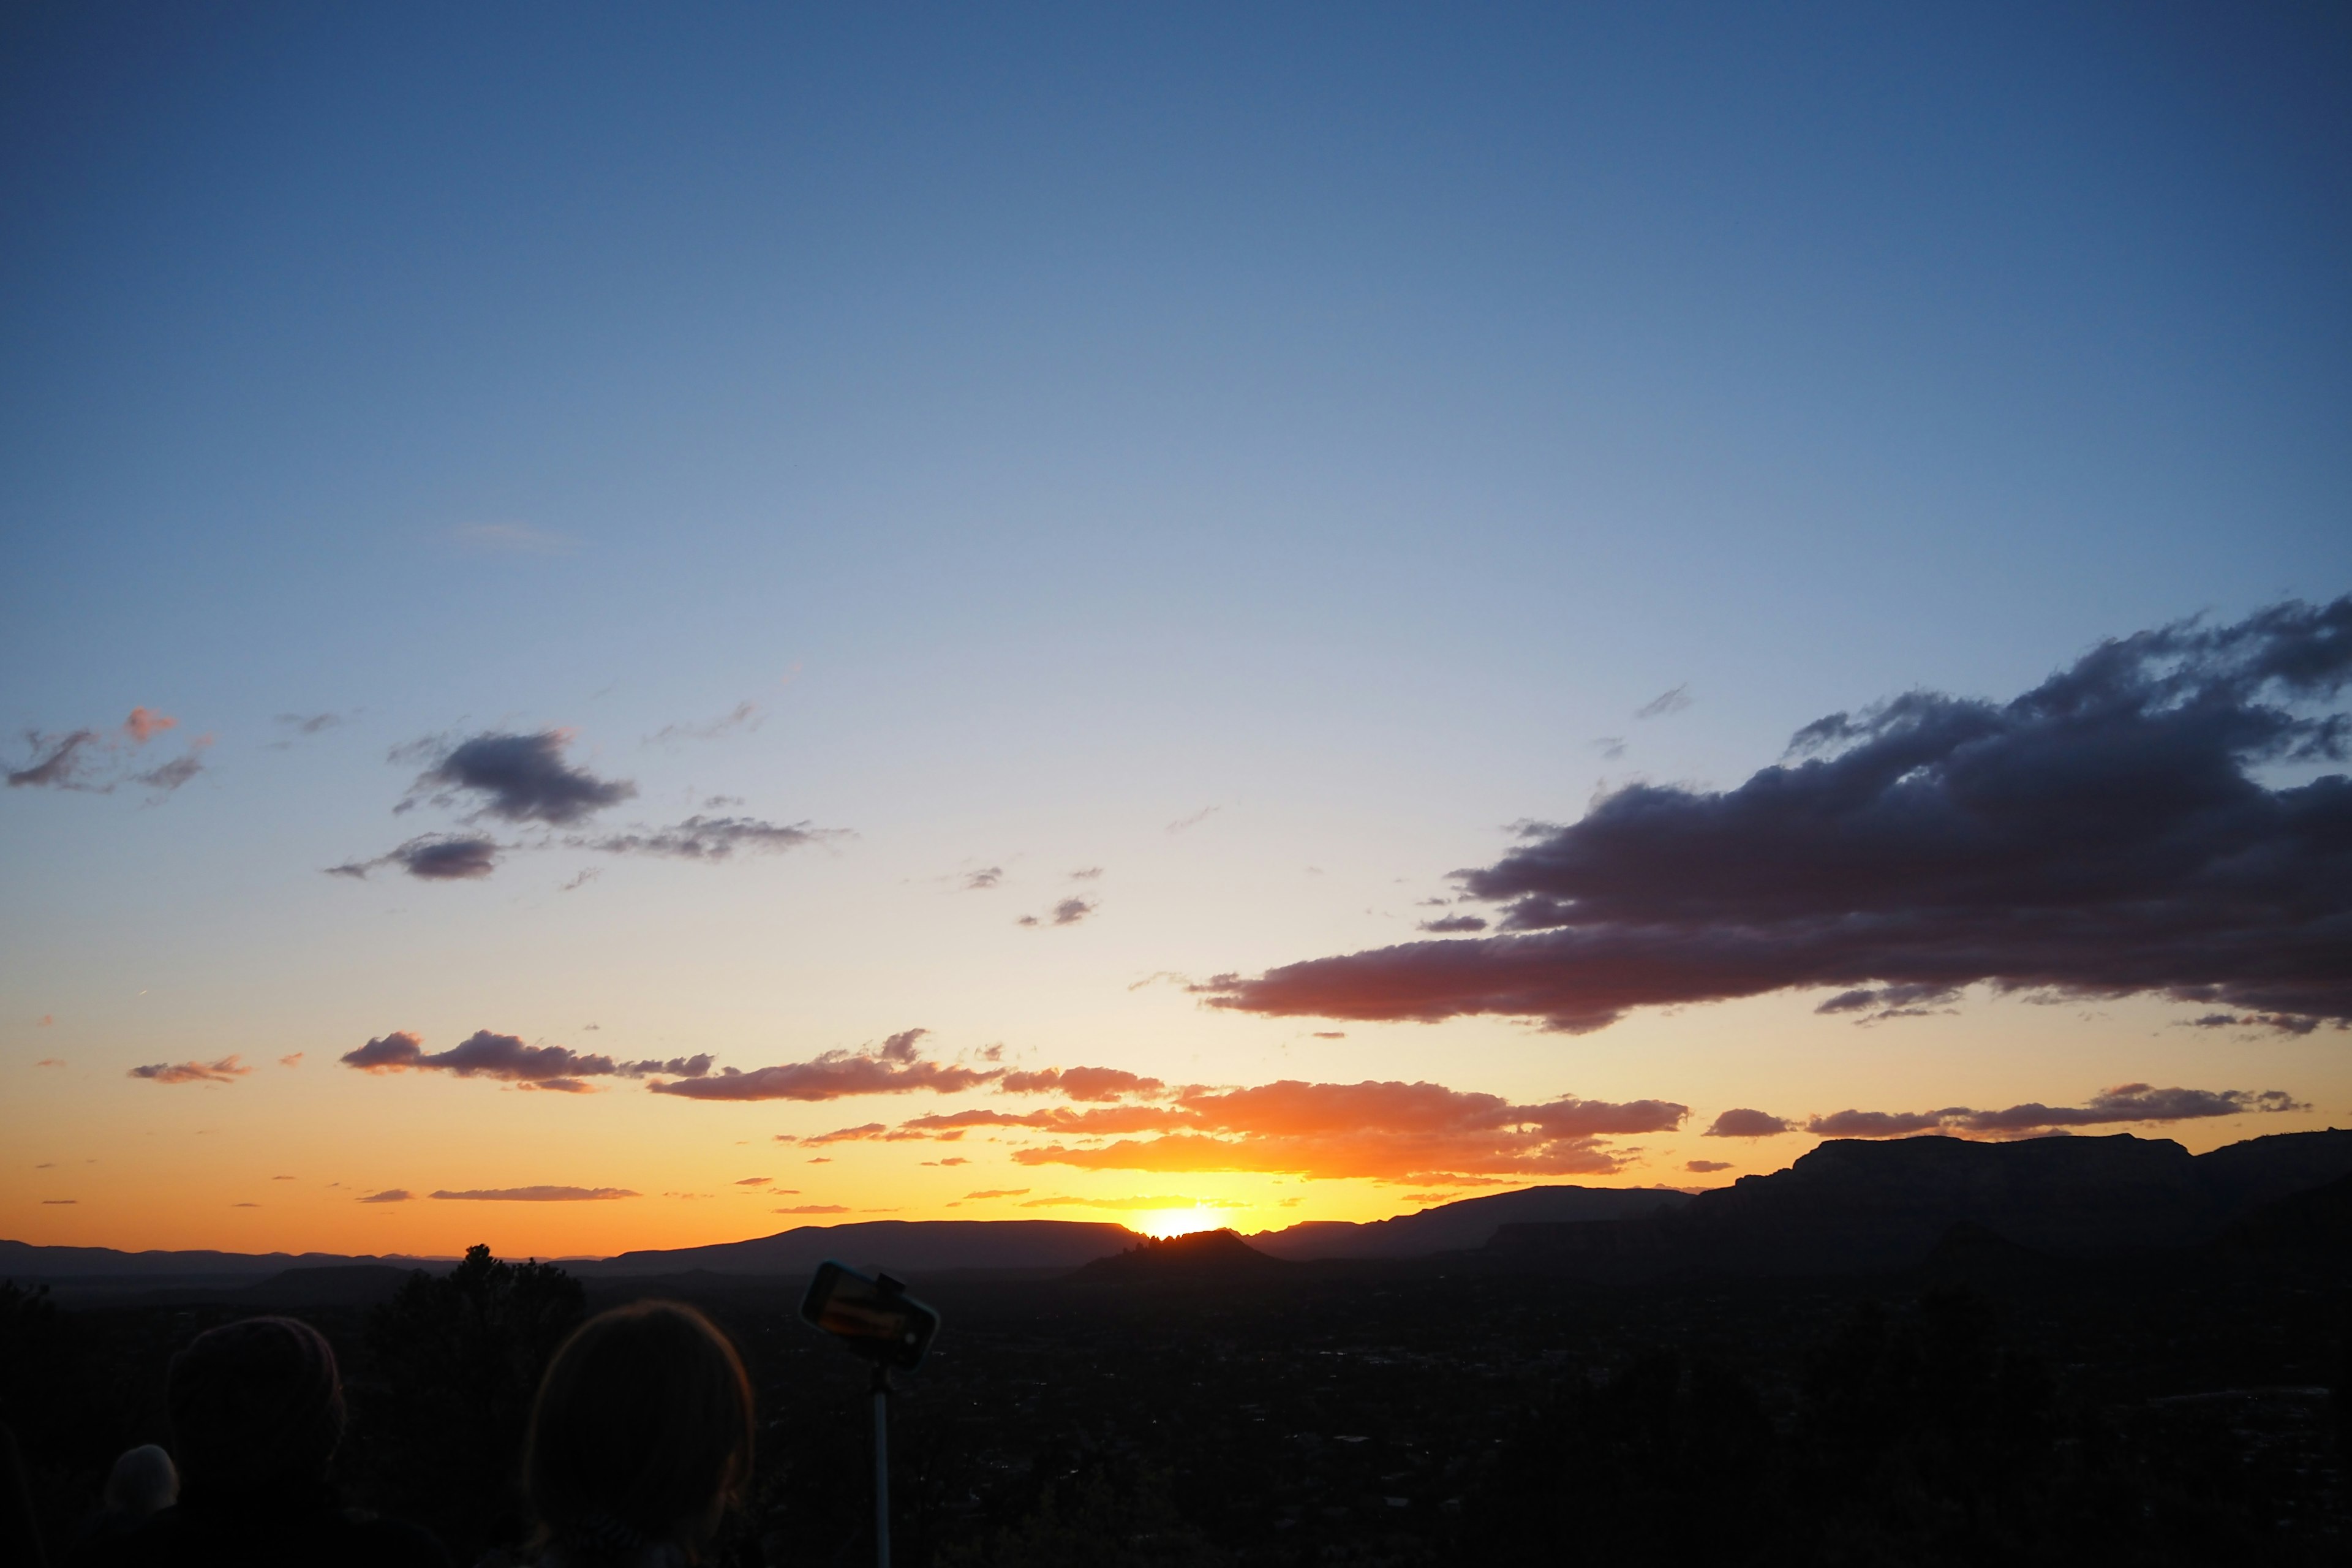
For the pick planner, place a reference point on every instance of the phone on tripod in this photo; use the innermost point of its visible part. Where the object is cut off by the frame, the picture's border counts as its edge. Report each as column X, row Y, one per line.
column 874, row 1318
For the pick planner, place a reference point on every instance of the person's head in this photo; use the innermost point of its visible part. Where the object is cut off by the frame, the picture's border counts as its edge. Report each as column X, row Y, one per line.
column 142, row 1482
column 255, row 1405
column 641, row 1433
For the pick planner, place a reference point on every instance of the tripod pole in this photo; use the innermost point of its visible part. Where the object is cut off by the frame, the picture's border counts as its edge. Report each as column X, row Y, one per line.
column 881, row 1466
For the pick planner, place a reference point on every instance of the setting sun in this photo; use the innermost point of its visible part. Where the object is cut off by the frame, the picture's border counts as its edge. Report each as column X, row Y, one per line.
column 1165, row 1223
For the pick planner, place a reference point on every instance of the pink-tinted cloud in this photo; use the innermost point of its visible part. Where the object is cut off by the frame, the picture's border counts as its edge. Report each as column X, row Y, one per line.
column 292, row 1059
column 2124, row 1104
column 50, row 1062
column 865, row 1132
column 898, row 1067
column 145, row 723
column 1081, row 1083
column 228, row 1069
column 1413, row 1132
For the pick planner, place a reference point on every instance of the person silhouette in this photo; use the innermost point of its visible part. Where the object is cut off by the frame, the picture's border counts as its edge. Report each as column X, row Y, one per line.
column 255, row 1410
column 640, row 1440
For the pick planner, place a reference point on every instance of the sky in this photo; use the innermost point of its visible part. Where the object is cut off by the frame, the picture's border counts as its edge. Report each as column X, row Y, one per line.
column 1442, row 596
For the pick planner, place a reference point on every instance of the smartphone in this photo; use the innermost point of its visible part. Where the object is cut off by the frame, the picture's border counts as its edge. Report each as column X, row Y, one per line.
column 875, row 1318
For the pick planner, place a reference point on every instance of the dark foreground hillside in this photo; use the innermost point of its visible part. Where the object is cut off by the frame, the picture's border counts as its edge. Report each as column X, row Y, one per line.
column 1993, row 1405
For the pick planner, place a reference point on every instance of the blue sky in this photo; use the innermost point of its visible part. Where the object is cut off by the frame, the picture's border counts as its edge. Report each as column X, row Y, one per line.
column 1061, row 421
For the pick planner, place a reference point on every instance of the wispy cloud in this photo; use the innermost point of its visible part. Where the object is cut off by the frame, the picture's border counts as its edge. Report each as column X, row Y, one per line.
column 2125, row 1103
column 96, row 763
column 1665, row 703
column 228, row 1069
column 389, row 1195
column 486, row 1054
column 896, row 1066
column 745, row 716
column 540, row 1195
column 1183, row 824
column 713, row 839
column 1068, row 912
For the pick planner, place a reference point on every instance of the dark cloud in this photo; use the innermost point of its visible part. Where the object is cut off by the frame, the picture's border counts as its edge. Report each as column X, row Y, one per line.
column 171, row 776
column 539, row 1194
column 435, row 858
column 389, row 1195
column 308, row 723
column 1445, row 924
column 58, row 762
column 896, row 1067
column 2102, row 835
column 711, row 839
column 1705, row 1167
column 484, row 1054
column 1081, row 1083
column 1665, row 703
column 2130, row 1102
column 228, row 1069
column 1068, row 912
column 753, row 1180
column 1743, row 1123
column 985, row 878
column 523, row 778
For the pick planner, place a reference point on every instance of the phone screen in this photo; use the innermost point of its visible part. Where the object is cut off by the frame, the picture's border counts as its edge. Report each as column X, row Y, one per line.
column 869, row 1317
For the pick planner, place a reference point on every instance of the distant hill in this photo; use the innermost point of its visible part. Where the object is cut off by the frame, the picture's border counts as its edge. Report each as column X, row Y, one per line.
column 21, row 1260
column 1461, row 1227
column 1203, row 1255
column 905, row 1248
column 1853, row 1204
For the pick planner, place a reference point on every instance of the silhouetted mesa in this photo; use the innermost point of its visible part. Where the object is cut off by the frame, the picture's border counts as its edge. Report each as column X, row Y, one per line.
column 1203, row 1254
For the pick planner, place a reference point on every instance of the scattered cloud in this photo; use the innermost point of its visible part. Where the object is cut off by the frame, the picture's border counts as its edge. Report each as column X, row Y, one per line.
column 1447, row 924
column 171, row 776
column 1068, row 912
column 434, row 858
column 292, row 1060
column 744, row 715
column 863, row 1132
column 519, row 778
column 50, row 1062
column 1745, row 1123
column 987, row 877
column 145, row 724
column 59, row 1203
column 1665, row 703
column 511, row 538
column 1610, row 747
column 484, row 1054
column 816, row 1208
column 245, row 1205
column 2130, row 1102
column 1088, row 874
column 1705, row 1167
column 1418, row 1133
column 307, row 723
column 580, row 881
column 228, row 1069
column 712, row 838
column 539, row 1194
column 1081, row 1083
column 1877, row 1003
column 57, row 760
column 1183, row 822
column 998, row 1193
column 753, row 1180
column 389, row 1195
column 896, row 1067
column 2102, row 835
column 1330, row 1034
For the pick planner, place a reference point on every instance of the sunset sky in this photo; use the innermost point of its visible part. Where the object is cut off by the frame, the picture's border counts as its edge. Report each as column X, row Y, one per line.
column 634, row 627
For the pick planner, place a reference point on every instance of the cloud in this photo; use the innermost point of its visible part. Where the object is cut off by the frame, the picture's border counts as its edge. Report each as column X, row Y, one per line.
column 1743, row 1123
column 744, row 715
column 540, row 1195
column 293, row 1059
column 753, row 1180
column 897, row 1067
column 1705, row 1167
column 1610, row 747
column 511, row 538
column 44, row 1021
column 484, row 1054
column 1665, row 703
column 1450, row 923
column 1068, row 912
column 523, row 778
column 987, row 877
column 712, row 838
column 998, row 1193
column 579, row 881
column 171, row 776
column 2130, row 1102
column 1391, row 1131
column 1330, row 1034
column 59, row 1203
column 145, row 724
column 2102, row 835
column 389, row 1195
column 1198, row 818
column 228, row 1069
column 1101, row 1122
column 1086, row 873
column 307, row 723
column 435, row 858
column 1081, row 1083
column 816, row 1208
column 50, row 1062
column 865, row 1133
column 1123, row 1205
column 58, row 762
